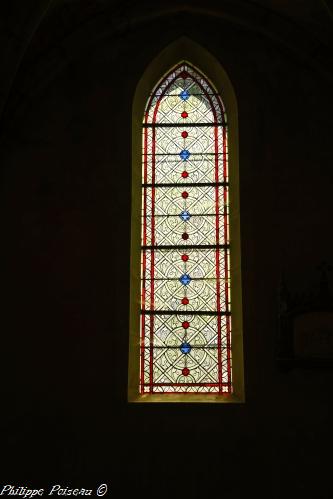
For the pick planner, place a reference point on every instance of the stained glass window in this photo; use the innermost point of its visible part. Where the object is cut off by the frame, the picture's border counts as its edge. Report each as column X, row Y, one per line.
column 185, row 331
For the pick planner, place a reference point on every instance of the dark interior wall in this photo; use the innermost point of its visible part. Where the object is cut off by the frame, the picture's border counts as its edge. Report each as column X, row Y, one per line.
column 66, row 179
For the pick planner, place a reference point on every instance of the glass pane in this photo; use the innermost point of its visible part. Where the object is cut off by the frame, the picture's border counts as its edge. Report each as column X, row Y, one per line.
column 185, row 276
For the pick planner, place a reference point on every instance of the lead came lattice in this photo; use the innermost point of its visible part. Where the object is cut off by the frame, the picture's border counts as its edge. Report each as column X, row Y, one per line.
column 185, row 293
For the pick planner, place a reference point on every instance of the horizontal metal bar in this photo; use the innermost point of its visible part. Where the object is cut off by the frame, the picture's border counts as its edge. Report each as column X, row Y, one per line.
column 190, row 312
column 178, row 125
column 216, row 94
column 193, row 347
column 189, row 184
column 189, row 246
column 173, row 161
column 221, row 213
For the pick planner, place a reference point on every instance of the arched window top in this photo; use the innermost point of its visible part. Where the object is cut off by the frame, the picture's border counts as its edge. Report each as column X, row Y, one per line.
column 182, row 347
column 184, row 84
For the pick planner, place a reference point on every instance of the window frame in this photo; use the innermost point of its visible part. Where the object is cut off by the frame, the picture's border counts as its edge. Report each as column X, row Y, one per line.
column 185, row 49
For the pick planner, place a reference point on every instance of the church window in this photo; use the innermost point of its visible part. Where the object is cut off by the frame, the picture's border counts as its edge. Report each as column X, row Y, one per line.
column 186, row 305
column 185, row 338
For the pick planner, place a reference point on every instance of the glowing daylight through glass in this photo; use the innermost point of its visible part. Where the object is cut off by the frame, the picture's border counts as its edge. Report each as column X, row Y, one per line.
column 185, row 337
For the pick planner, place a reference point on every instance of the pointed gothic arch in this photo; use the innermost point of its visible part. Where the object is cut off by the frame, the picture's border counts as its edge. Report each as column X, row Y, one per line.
column 207, row 364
